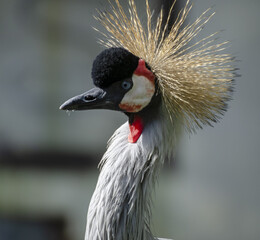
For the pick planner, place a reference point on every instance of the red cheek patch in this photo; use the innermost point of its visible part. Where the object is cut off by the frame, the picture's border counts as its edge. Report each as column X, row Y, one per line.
column 136, row 129
column 142, row 70
column 130, row 108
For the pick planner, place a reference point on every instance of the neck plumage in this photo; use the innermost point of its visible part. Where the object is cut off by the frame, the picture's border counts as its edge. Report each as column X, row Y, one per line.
column 120, row 205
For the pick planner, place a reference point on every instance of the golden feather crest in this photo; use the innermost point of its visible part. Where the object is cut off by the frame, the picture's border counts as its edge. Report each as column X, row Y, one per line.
column 195, row 79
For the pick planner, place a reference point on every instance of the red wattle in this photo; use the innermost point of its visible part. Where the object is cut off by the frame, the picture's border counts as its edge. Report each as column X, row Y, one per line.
column 136, row 129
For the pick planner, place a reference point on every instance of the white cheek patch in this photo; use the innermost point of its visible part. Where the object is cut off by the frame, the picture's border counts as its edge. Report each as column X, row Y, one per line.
column 139, row 96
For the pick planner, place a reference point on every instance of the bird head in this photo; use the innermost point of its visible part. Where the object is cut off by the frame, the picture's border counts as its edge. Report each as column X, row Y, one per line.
column 123, row 82
column 144, row 65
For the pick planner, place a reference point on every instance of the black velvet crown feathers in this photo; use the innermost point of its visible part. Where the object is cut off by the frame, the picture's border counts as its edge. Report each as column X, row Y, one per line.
column 111, row 65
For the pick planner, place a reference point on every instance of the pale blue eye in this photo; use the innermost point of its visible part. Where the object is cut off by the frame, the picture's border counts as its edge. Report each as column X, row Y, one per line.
column 126, row 85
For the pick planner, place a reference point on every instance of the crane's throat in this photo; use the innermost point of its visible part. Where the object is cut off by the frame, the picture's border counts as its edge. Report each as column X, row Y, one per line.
column 136, row 128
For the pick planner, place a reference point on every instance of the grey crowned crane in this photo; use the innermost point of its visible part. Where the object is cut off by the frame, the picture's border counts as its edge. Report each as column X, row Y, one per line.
column 159, row 81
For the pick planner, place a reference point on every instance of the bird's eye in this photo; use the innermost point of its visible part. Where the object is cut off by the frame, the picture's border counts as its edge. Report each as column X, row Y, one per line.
column 126, row 85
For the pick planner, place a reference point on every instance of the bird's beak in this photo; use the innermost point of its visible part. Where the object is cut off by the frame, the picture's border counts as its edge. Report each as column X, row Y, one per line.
column 96, row 98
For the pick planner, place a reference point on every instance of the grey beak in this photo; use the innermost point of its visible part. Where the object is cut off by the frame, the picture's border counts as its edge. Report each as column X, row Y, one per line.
column 95, row 98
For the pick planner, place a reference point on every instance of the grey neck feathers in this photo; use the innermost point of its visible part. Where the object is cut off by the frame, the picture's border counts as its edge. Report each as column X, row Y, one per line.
column 120, row 208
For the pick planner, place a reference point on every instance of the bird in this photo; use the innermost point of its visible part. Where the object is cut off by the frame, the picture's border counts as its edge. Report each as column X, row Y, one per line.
column 163, row 82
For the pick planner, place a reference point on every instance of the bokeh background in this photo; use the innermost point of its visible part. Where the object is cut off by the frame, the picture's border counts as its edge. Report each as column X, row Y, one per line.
column 48, row 159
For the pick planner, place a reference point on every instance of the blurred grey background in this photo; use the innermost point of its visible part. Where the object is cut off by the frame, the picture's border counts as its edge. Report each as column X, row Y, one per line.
column 48, row 159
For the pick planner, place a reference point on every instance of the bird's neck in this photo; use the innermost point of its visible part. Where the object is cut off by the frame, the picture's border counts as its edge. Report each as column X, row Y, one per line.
column 138, row 121
column 120, row 206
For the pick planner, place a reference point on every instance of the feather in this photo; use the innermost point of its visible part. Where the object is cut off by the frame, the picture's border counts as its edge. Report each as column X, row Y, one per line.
column 195, row 79
column 121, row 205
